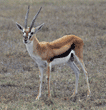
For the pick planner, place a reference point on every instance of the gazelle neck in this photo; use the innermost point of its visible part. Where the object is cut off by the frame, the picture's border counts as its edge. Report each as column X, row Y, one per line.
column 35, row 42
column 32, row 46
column 36, row 45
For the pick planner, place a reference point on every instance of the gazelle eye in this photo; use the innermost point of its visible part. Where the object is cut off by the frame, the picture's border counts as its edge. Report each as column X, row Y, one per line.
column 31, row 33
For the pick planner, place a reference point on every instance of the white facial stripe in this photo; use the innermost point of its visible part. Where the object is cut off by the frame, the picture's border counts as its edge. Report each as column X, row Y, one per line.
column 23, row 30
column 29, row 34
column 24, row 34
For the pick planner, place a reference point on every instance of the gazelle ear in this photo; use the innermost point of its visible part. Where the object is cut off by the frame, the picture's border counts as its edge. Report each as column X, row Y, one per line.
column 19, row 26
column 38, row 27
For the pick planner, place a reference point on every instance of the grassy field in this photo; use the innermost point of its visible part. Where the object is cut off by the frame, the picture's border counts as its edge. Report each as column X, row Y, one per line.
column 19, row 74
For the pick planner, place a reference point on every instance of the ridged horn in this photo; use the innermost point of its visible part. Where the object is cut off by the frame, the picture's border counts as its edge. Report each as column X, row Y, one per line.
column 26, row 17
column 34, row 18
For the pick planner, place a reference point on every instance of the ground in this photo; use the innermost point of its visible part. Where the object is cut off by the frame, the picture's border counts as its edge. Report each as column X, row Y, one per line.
column 19, row 74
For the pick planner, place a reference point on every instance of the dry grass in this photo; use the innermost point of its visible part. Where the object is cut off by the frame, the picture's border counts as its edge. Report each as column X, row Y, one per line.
column 19, row 73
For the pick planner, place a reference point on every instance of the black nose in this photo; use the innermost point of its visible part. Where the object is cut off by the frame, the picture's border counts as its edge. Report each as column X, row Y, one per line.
column 25, row 41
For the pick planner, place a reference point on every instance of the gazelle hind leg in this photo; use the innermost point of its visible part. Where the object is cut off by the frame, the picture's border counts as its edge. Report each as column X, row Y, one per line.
column 40, row 85
column 76, row 71
column 76, row 66
column 80, row 61
column 86, row 77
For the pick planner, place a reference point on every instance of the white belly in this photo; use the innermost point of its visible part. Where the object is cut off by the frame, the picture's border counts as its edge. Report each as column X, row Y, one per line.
column 62, row 60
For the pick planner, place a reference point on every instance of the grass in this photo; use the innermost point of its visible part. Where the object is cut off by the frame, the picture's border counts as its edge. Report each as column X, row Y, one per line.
column 19, row 74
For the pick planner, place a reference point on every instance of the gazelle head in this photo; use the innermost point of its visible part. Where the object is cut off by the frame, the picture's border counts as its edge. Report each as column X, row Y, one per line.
column 29, row 31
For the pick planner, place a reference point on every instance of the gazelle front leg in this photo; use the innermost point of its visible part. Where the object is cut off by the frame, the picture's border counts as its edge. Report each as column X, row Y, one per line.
column 40, row 85
column 48, row 79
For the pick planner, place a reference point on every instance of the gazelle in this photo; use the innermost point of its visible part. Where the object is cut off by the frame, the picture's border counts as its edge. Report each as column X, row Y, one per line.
column 46, row 54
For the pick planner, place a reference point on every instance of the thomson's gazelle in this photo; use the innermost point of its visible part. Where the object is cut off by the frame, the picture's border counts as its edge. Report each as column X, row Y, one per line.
column 46, row 54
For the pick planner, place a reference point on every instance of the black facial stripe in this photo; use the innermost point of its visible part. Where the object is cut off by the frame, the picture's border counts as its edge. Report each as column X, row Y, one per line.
column 30, row 37
column 30, row 34
column 65, row 53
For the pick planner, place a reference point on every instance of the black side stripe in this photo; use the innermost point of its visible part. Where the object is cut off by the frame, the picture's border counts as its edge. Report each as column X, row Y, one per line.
column 65, row 53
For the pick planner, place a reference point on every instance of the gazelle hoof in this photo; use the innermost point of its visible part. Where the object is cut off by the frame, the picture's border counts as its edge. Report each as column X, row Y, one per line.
column 37, row 98
column 88, row 94
column 73, row 95
column 49, row 95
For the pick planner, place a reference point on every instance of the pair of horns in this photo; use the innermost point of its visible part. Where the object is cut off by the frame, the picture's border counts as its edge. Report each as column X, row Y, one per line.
column 34, row 18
